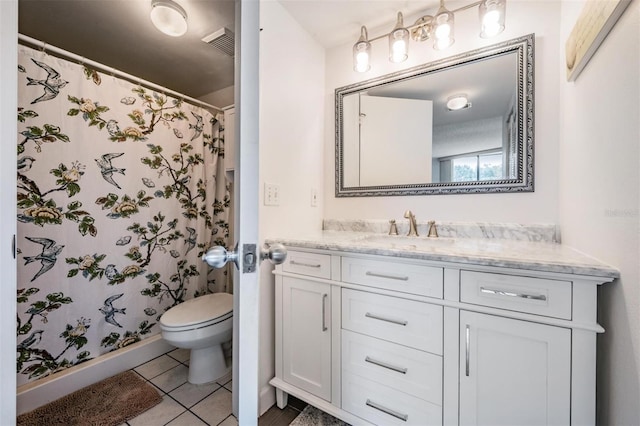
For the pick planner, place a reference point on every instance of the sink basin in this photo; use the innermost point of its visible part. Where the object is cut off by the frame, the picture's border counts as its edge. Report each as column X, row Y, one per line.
column 398, row 241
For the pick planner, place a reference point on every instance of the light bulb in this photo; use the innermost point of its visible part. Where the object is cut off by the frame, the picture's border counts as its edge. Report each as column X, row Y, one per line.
column 399, row 50
column 362, row 52
column 399, row 42
column 492, row 13
column 443, row 29
column 362, row 62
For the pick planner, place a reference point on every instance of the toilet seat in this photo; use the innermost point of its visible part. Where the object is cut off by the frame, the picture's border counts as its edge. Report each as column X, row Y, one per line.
column 198, row 312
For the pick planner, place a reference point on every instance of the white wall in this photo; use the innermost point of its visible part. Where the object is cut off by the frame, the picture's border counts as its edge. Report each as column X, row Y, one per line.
column 523, row 17
column 291, row 149
column 600, row 198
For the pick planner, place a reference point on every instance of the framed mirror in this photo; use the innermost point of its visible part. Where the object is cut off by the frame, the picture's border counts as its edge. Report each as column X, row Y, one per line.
column 410, row 133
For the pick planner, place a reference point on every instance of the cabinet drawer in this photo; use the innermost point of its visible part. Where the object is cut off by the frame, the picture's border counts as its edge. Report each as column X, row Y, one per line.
column 538, row 296
column 407, row 322
column 403, row 277
column 381, row 405
column 311, row 264
column 404, row 369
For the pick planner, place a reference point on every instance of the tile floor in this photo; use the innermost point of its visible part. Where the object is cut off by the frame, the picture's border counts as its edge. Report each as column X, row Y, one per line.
column 183, row 403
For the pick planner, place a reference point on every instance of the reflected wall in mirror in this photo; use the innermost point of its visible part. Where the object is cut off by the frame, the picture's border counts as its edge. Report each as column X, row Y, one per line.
column 398, row 134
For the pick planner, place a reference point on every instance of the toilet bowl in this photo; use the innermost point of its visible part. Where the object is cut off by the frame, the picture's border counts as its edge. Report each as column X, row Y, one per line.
column 201, row 324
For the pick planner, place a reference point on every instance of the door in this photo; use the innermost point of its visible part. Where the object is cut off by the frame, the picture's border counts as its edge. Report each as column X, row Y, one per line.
column 513, row 372
column 395, row 141
column 246, row 287
column 306, row 335
column 8, row 123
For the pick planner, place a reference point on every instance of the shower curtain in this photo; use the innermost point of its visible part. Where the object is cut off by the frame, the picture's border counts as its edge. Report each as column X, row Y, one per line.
column 121, row 189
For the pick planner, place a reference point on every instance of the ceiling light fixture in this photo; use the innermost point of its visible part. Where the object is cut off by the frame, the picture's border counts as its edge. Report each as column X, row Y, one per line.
column 169, row 17
column 458, row 102
column 439, row 27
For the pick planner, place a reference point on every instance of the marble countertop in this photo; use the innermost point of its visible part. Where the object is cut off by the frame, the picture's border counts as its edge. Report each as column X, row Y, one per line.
column 539, row 256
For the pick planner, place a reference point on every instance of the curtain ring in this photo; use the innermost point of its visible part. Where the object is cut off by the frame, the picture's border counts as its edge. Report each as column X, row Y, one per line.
column 44, row 46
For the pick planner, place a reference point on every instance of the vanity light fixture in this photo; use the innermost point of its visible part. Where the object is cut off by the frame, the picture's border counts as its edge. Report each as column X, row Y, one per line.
column 439, row 27
column 458, row 102
column 169, row 17
column 491, row 17
column 362, row 52
column 442, row 28
column 399, row 42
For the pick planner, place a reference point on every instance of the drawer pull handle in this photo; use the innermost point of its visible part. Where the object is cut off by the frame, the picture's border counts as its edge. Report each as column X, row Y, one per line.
column 324, row 311
column 308, row 265
column 510, row 294
column 388, row 411
column 391, row 320
column 385, row 365
column 466, row 350
column 390, row 277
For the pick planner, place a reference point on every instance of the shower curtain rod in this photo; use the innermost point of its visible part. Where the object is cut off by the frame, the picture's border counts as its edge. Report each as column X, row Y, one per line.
column 111, row 71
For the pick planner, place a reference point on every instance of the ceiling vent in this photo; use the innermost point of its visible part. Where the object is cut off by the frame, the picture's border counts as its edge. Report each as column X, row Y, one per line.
column 222, row 40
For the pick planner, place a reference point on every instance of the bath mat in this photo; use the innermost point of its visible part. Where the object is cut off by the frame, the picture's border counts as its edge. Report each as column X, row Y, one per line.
column 311, row 416
column 107, row 403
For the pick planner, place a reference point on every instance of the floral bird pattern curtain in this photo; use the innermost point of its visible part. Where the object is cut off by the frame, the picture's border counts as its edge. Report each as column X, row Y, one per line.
column 120, row 191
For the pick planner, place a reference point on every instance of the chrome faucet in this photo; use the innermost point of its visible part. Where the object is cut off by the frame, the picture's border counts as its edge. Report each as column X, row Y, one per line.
column 413, row 228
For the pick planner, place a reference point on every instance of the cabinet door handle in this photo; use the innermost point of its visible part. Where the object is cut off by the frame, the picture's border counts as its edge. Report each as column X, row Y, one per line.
column 390, row 277
column 401, row 370
column 391, row 320
column 388, row 411
column 324, row 311
column 511, row 294
column 466, row 350
column 308, row 265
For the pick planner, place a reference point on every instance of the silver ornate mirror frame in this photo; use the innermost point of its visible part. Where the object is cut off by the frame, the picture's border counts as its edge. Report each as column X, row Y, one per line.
column 523, row 182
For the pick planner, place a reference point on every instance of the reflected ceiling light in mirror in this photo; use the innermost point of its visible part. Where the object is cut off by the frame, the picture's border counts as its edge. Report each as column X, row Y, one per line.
column 458, row 102
column 399, row 42
column 439, row 27
column 169, row 17
column 362, row 52
column 491, row 17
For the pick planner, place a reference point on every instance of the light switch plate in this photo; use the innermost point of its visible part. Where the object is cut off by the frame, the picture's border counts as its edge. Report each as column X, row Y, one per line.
column 271, row 194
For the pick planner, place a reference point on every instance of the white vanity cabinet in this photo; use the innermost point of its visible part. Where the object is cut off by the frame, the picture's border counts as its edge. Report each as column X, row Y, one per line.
column 306, row 337
column 375, row 339
column 305, row 319
column 513, row 372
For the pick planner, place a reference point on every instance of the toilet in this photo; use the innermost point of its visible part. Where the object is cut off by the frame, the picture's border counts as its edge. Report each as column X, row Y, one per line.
column 201, row 324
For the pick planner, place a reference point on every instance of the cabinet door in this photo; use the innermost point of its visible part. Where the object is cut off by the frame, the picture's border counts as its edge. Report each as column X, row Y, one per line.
column 306, row 337
column 513, row 372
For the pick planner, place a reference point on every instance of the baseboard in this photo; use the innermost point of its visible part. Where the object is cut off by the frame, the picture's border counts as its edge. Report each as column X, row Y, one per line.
column 266, row 399
column 35, row 394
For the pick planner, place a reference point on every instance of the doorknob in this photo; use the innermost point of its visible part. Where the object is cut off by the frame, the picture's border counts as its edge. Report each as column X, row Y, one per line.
column 275, row 253
column 218, row 256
